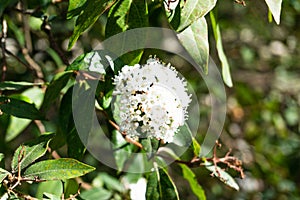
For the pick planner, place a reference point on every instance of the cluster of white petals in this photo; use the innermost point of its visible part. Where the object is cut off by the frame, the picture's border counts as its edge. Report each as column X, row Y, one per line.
column 152, row 100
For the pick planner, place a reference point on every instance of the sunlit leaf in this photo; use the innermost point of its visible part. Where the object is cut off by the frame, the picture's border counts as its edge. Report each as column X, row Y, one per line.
column 89, row 15
column 125, row 15
column 59, row 169
column 225, row 66
column 160, row 186
column 222, row 175
column 12, row 85
column 75, row 8
column 192, row 11
column 275, row 8
column 17, row 125
column 3, row 174
column 195, row 40
column 189, row 175
column 29, row 152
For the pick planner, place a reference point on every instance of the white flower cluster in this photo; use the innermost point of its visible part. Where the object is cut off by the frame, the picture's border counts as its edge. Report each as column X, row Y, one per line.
column 152, row 100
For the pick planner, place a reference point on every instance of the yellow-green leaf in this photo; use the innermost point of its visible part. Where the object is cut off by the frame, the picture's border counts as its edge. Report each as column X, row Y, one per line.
column 59, row 169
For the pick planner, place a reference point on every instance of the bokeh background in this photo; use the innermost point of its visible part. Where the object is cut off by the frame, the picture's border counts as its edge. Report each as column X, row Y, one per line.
column 262, row 126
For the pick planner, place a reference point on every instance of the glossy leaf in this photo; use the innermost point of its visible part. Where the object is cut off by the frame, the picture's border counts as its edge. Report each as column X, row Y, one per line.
column 192, row 11
column 160, row 186
column 222, row 175
column 30, row 152
column 225, row 66
column 17, row 125
column 3, row 174
column 275, row 8
column 91, row 12
column 59, row 169
column 19, row 108
column 189, row 175
column 75, row 8
column 100, row 61
column 59, row 81
column 96, row 193
column 12, row 85
column 125, row 15
column 195, row 40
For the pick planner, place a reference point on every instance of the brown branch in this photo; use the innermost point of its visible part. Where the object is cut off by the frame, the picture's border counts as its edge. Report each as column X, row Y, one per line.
column 3, row 47
column 128, row 139
column 242, row 2
column 33, row 64
column 230, row 161
column 47, row 29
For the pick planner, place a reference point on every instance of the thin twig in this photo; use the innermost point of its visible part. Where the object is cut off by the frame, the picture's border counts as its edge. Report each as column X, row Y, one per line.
column 47, row 29
column 33, row 64
column 128, row 139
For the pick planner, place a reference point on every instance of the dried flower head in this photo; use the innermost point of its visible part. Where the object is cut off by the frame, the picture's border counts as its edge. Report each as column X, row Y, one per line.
column 152, row 100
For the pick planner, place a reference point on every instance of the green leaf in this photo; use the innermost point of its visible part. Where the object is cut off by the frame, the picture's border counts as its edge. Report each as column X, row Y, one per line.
column 110, row 182
column 192, row 11
column 30, row 152
column 96, row 193
column 75, row 147
column 17, row 125
column 196, row 147
column 3, row 174
column 12, row 85
column 275, row 8
column 125, row 15
column 91, row 12
column 97, row 61
column 122, row 150
column 225, row 66
column 184, row 136
column 189, row 175
column 160, row 186
column 59, row 81
column 75, row 8
column 195, row 40
column 222, row 175
column 19, row 35
column 19, row 108
column 150, row 146
column 51, row 196
column 50, row 187
column 59, row 169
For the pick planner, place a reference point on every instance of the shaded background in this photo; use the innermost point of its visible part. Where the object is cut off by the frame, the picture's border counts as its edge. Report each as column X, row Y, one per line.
column 262, row 125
